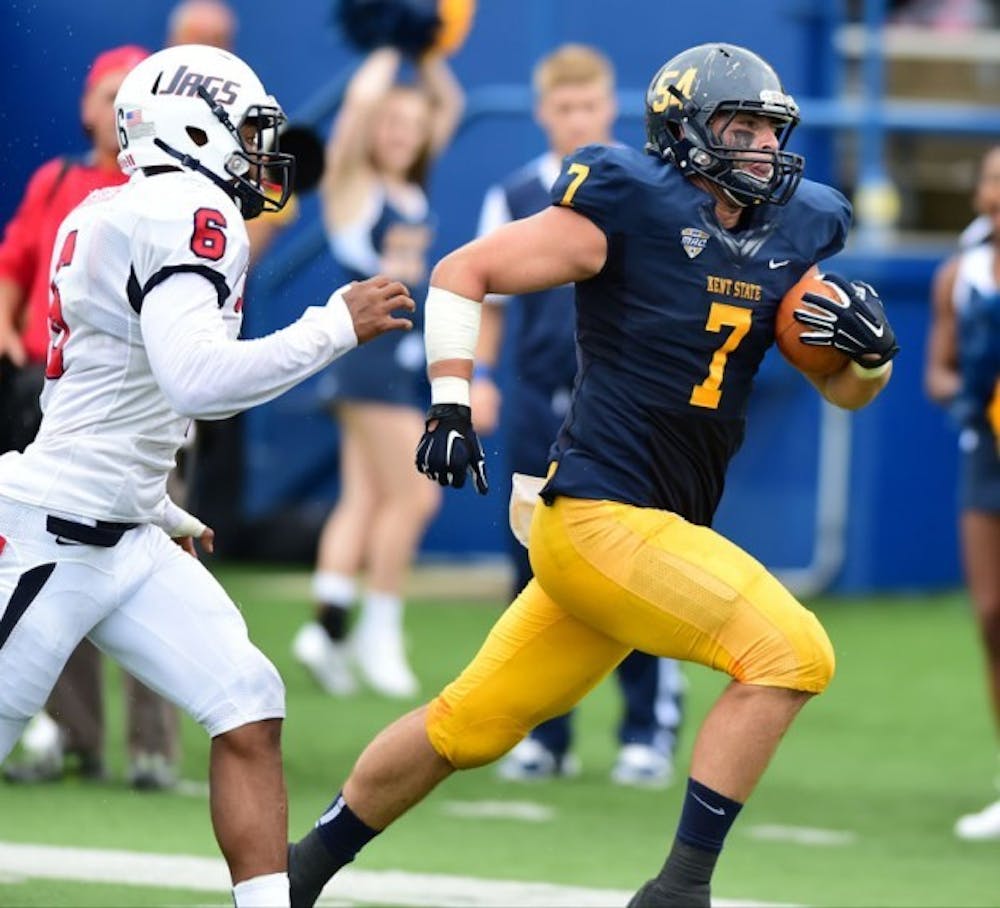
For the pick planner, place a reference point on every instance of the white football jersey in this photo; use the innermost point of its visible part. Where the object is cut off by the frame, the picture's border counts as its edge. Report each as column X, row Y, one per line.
column 109, row 437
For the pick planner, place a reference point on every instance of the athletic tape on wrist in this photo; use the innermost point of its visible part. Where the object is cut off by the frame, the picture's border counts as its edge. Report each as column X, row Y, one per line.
column 450, row 389
column 451, row 325
column 868, row 374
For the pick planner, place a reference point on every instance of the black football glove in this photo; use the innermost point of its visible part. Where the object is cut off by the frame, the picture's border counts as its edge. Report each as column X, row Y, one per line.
column 852, row 321
column 451, row 448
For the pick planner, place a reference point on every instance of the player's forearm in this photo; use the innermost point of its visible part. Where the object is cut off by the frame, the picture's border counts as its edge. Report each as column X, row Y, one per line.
column 205, row 375
column 451, row 331
column 853, row 387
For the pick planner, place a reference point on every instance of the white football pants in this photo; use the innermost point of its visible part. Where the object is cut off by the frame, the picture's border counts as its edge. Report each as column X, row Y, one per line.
column 145, row 602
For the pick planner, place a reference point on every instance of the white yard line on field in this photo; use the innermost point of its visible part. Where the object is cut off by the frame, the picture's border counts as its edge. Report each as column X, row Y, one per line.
column 525, row 811
column 351, row 887
column 802, row 835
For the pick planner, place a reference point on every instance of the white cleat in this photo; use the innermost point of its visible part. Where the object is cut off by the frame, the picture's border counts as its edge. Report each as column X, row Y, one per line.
column 380, row 656
column 532, row 761
column 42, row 738
column 978, row 827
column 642, row 766
column 327, row 662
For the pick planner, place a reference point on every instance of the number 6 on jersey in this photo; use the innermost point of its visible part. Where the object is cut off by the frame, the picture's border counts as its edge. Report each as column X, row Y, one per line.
column 58, row 329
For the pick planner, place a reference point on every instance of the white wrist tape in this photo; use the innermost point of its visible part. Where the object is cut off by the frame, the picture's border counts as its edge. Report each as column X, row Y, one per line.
column 450, row 389
column 177, row 522
column 451, row 325
column 868, row 374
column 451, row 330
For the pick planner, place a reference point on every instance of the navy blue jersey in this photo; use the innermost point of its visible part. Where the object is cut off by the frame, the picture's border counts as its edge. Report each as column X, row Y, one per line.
column 544, row 347
column 673, row 329
column 976, row 299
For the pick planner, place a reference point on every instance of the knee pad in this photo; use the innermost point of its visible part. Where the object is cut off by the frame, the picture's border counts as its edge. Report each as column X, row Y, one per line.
column 253, row 692
column 797, row 657
column 467, row 741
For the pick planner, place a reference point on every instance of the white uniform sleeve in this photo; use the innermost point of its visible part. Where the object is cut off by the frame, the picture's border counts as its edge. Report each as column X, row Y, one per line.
column 206, row 375
column 494, row 213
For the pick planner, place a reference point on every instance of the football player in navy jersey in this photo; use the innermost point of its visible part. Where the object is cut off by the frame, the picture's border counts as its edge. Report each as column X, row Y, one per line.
column 680, row 257
column 575, row 105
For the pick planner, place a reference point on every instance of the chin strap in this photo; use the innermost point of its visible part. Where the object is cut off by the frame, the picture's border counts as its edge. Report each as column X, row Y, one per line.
column 249, row 203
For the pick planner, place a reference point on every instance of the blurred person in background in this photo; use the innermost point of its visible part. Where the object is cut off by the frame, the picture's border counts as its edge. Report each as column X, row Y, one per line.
column 620, row 540
column 944, row 15
column 963, row 374
column 575, row 106
column 210, row 22
column 215, row 24
column 376, row 214
column 75, row 740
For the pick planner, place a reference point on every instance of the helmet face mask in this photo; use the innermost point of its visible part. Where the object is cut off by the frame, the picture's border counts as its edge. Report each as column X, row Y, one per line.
column 203, row 109
column 694, row 108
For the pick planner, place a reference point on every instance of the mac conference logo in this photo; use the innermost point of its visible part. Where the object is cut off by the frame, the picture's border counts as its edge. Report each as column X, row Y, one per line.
column 693, row 240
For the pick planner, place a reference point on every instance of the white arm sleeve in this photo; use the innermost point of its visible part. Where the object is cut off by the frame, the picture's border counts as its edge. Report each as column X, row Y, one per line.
column 206, row 375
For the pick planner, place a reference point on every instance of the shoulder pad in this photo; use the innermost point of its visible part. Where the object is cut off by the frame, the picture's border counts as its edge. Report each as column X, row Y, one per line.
column 597, row 181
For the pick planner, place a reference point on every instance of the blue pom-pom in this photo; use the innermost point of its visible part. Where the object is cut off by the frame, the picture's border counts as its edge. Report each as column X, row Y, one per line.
column 409, row 25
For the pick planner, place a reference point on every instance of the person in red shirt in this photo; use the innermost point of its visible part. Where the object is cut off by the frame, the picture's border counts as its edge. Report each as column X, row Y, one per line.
column 54, row 190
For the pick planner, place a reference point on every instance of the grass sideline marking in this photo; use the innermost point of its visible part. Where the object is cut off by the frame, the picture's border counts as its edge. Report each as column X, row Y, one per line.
column 523, row 811
column 802, row 835
column 352, row 887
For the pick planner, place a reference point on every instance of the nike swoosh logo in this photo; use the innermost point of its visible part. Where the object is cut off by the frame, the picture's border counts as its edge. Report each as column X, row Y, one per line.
column 335, row 808
column 772, row 264
column 452, row 436
column 877, row 330
column 716, row 810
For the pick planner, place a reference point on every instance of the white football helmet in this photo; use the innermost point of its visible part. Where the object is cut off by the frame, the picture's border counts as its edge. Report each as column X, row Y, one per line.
column 204, row 109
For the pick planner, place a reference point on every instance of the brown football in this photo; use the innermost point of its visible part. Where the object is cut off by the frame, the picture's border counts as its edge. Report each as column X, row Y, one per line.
column 805, row 358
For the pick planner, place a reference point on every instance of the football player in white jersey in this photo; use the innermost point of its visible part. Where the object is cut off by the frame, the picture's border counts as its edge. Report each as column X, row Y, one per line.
column 147, row 285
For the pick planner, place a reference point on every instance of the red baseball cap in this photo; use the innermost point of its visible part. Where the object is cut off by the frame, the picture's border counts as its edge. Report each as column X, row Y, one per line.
column 114, row 60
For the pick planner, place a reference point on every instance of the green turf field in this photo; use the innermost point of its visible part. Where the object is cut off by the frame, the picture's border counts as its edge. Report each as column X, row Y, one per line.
column 883, row 763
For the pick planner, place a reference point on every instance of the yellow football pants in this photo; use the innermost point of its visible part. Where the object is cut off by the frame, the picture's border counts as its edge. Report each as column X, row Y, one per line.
column 610, row 578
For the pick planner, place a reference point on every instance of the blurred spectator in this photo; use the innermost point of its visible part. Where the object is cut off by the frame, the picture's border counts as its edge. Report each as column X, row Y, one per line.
column 575, row 105
column 377, row 217
column 214, row 23
column 963, row 373
column 947, row 15
column 54, row 190
column 210, row 22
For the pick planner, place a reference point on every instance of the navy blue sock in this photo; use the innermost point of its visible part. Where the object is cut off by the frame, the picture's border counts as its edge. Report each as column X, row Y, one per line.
column 343, row 834
column 706, row 817
column 333, row 618
column 686, row 877
column 333, row 842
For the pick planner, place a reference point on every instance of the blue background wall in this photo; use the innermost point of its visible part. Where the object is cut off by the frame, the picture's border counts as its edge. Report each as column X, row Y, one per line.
column 901, row 505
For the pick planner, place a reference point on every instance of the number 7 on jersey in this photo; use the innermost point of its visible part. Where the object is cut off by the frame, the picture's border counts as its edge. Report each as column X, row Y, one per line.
column 709, row 392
